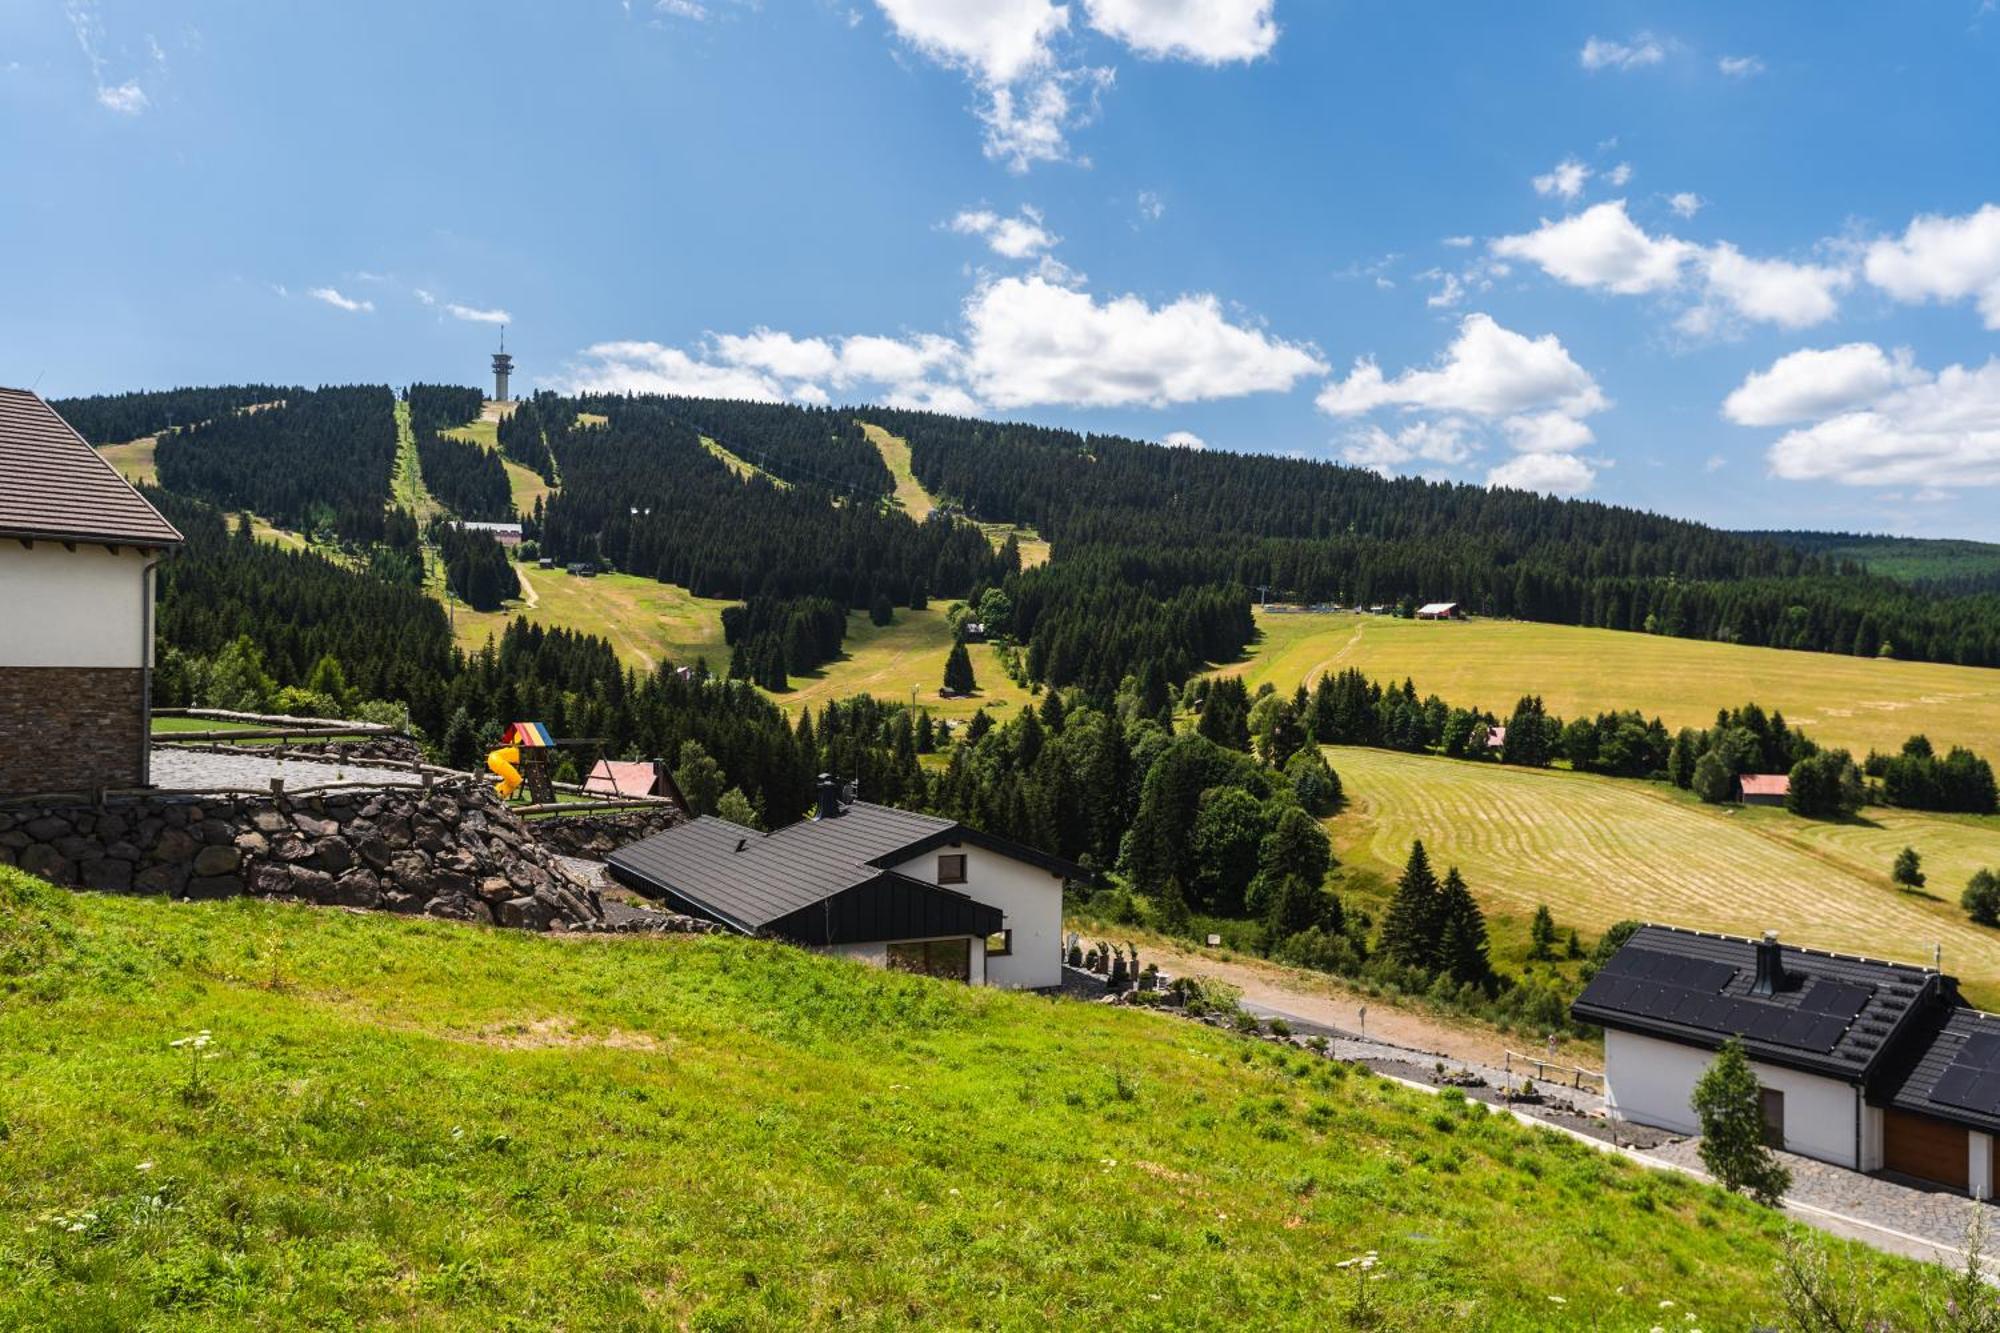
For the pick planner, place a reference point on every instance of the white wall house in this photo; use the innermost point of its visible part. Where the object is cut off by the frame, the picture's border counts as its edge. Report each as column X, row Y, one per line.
column 883, row 886
column 1866, row 1064
column 78, row 547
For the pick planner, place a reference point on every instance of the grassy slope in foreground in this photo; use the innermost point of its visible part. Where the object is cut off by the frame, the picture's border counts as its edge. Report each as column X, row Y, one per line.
column 1857, row 702
column 1599, row 850
column 725, row 1134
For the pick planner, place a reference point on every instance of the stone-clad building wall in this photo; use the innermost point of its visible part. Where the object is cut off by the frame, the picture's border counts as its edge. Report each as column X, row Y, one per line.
column 70, row 729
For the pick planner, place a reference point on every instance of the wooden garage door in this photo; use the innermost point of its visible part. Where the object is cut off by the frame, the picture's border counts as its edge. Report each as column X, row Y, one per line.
column 1916, row 1145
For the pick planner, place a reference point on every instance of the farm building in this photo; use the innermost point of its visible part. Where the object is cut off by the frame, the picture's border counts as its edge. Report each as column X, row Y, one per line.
column 633, row 777
column 507, row 534
column 78, row 547
column 1763, row 788
column 896, row 889
column 1440, row 611
column 1866, row 1064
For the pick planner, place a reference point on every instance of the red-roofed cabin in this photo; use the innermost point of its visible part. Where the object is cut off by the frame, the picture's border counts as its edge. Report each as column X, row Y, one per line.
column 1763, row 788
column 625, row 777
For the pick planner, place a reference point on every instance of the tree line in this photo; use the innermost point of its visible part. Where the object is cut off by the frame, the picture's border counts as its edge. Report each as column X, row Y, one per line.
column 320, row 462
column 114, row 418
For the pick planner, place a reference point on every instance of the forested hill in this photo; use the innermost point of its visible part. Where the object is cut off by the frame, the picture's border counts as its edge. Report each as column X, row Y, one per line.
column 1940, row 563
column 113, row 418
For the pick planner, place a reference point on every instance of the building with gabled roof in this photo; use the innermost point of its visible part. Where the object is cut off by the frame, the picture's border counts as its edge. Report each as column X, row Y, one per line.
column 78, row 548
column 902, row 890
column 1864, row 1063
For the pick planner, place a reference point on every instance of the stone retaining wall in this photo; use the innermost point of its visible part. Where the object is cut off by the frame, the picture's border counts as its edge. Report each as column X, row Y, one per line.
column 597, row 836
column 453, row 851
column 374, row 750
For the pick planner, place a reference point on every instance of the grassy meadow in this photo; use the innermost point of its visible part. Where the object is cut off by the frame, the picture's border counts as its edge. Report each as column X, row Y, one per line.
column 1857, row 702
column 1599, row 850
column 646, row 621
column 918, row 503
column 889, row 661
column 412, row 1124
column 524, row 484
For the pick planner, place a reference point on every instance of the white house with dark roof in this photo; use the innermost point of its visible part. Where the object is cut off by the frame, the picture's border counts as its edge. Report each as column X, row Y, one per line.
column 78, row 546
column 901, row 890
column 1870, row 1065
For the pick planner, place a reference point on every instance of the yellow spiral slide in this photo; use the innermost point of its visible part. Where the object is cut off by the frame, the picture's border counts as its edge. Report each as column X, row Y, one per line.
column 505, row 764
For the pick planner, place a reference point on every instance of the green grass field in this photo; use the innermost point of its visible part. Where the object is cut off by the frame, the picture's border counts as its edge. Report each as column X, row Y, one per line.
column 743, row 467
column 918, row 503
column 1857, row 702
column 411, row 1124
column 1599, row 850
column 525, row 485
column 890, row 661
column 646, row 621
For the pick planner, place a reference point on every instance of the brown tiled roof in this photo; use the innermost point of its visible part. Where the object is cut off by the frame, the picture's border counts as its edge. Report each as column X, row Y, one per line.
column 53, row 484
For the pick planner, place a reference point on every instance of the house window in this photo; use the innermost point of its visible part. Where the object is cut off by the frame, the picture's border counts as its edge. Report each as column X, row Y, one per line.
column 999, row 944
column 1772, row 1102
column 950, row 960
column 951, row 868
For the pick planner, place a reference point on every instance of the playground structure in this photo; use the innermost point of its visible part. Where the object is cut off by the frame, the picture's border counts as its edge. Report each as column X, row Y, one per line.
column 523, row 760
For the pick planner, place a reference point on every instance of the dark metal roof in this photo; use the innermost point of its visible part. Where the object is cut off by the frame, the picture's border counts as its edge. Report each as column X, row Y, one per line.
column 1838, row 1015
column 751, row 880
column 54, row 485
column 1952, row 1071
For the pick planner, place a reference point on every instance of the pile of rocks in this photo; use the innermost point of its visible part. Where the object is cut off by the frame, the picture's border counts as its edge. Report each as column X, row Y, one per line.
column 451, row 850
column 597, row 836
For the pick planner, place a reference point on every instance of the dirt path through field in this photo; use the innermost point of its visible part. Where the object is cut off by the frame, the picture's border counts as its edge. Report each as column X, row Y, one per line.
column 528, row 597
column 1273, row 988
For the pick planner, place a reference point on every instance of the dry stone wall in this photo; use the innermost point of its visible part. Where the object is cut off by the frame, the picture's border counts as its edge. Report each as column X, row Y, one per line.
column 450, row 851
column 595, row 837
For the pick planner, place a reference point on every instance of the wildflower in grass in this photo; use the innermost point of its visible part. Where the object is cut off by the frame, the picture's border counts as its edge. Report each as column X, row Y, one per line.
column 197, row 1049
column 143, row 1166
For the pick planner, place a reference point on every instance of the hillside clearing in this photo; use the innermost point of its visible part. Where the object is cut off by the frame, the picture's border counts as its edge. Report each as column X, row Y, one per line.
column 742, row 467
column 889, row 661
column 918, row 502
column 715, row 1133
column 646, row 621
column 1599, row 850
column 1857, row 702
column 525, row 486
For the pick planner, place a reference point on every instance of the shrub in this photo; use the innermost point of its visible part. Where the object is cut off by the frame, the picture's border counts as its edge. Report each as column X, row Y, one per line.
column 1908, row 869
column 1981, row 899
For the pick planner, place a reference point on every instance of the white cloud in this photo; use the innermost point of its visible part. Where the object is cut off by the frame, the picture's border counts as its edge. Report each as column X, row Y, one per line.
column 1773, row 291
column 1740, row 67
column 1644, row 49
column 1211, row 32
column 1446, row 440
column 1603, row 249
column 470, row 314
column 1020, row 237
column 1937, row 432
column 1815, row 383
column 1027, row 341
column 1685, row 204
column 1183, row 439
column 1714, row 463
column 1031, row 341
column 1619, row 175
column 1565, row 181
column 1549, row 474
column 339, row 302
column 127, row 98
column 999, row 40
column 1530, row 389
column 1943, row 259
column 1151, row 207
column 686, row 9
column 1460, row 242
column 1488, row 371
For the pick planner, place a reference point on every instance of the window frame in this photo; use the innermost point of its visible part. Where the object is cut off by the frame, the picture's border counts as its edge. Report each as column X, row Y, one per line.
column 1006, row 937
column 963, row 868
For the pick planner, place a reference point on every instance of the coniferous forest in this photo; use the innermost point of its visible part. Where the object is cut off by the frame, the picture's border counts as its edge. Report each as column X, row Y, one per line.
column 114, row 418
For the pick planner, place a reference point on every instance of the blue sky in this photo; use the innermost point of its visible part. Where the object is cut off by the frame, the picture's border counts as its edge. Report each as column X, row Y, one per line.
column 1740, row 263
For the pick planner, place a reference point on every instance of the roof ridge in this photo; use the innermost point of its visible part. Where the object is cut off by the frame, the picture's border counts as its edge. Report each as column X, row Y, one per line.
column 1923, row 968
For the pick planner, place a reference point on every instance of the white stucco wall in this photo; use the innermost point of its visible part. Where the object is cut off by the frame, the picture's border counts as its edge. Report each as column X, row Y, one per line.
column 63, row 608
column 876, row 954
column 1030, row 899
column 1651, row 1082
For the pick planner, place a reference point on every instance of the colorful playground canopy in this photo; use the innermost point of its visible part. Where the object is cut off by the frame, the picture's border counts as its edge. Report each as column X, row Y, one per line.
column 532, row 734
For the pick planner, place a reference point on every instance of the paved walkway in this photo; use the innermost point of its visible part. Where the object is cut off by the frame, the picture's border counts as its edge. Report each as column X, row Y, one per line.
column 176, row 769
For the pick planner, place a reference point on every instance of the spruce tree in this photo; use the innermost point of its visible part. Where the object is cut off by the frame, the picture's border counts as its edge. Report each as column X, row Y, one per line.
column 1729, row 1106
column 1542, row 934
column 1461, row 933
column 1410, row 930
column 958, row 678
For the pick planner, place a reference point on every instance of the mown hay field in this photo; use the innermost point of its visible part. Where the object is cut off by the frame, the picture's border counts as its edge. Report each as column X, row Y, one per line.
column 1599, row 850
column 1857, row 702
column 891, row 661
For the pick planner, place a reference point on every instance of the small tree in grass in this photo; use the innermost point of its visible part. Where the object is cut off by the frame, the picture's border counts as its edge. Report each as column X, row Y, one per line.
column 1981, row 899
column 1909, row 869
column 958, row 677
column 1542, row 934
column 1729, row 1106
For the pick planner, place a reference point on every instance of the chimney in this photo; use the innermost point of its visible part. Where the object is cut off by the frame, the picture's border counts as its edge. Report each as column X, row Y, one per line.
column 1770, row 967
column 829, row 798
